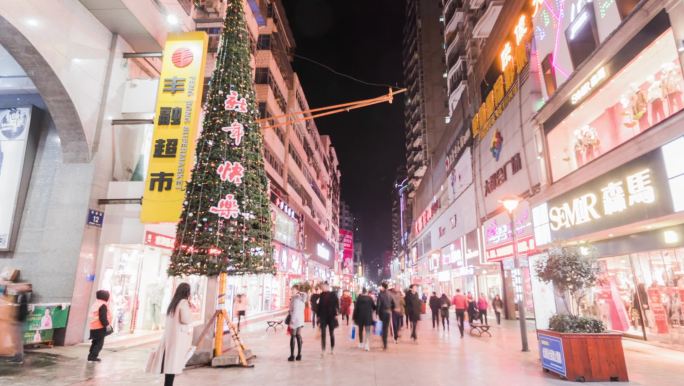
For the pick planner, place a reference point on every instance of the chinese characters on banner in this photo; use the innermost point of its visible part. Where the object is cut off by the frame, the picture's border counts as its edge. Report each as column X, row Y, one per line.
column 175, row 126
column 231, row 171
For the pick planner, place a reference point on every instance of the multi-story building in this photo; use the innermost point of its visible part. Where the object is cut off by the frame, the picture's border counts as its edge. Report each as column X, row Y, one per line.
column 425, row 111
column 79, row 201
column 346, row 216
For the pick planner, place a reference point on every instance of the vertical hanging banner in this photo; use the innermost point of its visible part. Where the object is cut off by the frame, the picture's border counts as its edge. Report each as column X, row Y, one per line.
column 177, row 116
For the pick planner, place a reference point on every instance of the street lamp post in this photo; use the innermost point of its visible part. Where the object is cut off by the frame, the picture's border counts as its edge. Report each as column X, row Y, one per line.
column 511, row 203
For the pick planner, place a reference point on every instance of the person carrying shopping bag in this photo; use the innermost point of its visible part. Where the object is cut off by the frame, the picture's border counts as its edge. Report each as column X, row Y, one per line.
column 176, row 344
column 363, row 317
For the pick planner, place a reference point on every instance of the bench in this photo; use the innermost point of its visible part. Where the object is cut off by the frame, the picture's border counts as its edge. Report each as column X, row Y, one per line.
column 274, row 324
column 479, row 329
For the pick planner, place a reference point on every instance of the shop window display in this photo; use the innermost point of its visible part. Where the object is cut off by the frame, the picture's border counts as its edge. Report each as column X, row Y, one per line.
column 638, row 97
column 641, row 295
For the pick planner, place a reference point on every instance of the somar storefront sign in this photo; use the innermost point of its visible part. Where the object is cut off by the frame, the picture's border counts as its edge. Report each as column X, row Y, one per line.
column 645, row 188
column 175, row 127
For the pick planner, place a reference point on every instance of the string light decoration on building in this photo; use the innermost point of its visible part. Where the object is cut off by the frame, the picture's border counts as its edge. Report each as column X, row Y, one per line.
column 225, row 225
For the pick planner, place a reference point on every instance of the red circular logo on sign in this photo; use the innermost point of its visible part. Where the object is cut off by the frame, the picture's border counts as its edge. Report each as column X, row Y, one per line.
column 182, row 57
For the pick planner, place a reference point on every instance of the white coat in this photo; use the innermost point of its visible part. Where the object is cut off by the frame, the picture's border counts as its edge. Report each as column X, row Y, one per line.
column 175, row 345
column 297, row 306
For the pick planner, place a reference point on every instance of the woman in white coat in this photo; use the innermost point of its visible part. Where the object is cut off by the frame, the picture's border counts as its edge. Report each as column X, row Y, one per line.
column 296, row 321
column 173, row 350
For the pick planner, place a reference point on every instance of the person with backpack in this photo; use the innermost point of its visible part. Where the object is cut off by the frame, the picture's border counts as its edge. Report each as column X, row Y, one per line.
column 100, row 324
column 444, row 305
column 434, row 308
column 363, row 317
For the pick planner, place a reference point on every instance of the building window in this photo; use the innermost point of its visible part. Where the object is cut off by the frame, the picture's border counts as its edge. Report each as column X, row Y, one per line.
column 549, row 74
column 262, row 110
column 261, row 76
column 625, row 7
column 264, row 42
column 582, row 35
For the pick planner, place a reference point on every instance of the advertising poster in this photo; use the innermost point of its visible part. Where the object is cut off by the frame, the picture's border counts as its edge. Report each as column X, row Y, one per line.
column 14, row 130
column 552, row 355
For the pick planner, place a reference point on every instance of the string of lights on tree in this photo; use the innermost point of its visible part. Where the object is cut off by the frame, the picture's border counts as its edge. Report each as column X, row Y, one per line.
column 225, row 224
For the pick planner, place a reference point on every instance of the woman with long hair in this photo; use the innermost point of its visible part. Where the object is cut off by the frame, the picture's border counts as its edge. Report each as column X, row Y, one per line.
column 296, row 321
column 171, row 355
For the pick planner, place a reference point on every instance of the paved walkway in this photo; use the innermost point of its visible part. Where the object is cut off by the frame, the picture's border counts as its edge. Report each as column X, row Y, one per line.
column 437, row 359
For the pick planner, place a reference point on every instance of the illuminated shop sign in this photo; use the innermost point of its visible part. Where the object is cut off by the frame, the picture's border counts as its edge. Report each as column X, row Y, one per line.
column 322, row 251
column 639, row 190
column 158, row 240
column 587, row 87
column 513, row 59
column 426, row 216
column 498, row 238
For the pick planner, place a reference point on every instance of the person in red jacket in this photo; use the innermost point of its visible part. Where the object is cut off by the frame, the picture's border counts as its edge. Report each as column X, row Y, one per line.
column 460, row 304
column 345, row 305
column 100, row 324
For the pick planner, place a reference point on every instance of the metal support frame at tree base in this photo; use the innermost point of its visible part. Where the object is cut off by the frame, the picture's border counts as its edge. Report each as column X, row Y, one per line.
column 221, row 318
column 325, row 111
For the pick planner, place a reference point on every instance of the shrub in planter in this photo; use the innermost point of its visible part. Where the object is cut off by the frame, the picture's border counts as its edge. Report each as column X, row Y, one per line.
column 576, row 324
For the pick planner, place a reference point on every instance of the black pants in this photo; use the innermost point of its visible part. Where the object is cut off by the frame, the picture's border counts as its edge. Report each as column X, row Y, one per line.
column 460, row 315
column 385, row 319
column 435, row 318
column 498, row 317
column 241, row 314
column 296, row 336
column 313, row 319
column 96, row 346
column 396, row 324
column 346, row 316
column 330, row 326
column 483, row 316
column 361, row 331
column 414, row 325
column 445, row 319
column 168, row 379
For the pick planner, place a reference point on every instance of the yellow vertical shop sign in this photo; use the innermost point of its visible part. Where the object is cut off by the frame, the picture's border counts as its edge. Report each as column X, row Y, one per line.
column 177, row 116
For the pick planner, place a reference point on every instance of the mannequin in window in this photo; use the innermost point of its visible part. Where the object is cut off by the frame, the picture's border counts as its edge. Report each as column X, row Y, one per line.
column 578, row 141
column 671, row 84
column 639, row 107
column 591, row 142
column 655, row 100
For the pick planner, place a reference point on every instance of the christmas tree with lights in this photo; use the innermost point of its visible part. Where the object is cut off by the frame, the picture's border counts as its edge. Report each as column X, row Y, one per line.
column 225, row 225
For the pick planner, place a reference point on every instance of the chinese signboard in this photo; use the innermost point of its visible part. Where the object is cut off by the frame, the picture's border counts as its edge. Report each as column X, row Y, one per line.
column 426, row 216
column 16, row 160
column 175, row 127
column 347, row 239
column 154, row 239
column 498, row 238
column 513, row 59
column 638, row 190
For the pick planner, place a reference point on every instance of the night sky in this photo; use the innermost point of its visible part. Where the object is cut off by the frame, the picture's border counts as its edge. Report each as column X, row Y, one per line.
column 361, row 38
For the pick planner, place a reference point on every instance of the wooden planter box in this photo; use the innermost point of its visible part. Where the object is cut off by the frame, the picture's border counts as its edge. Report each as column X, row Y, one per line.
column 583, row 357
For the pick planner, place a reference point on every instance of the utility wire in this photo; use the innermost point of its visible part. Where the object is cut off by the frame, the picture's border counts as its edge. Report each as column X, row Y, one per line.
column 338, row 73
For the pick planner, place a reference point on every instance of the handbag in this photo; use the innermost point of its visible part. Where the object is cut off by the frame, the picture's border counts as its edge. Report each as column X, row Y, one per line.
column 336, row 323
column 109, row 330
column 353, row 333
column 378, row 327
column 288, row 319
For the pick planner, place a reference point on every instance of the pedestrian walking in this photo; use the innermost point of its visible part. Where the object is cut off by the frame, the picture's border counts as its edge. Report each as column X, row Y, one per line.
column 472, row 308
column 328, row 308
column 482, row 305
column 414, row 306
column 314, row 306
column 240, row 308
column 498, row 305
column 176, row 344
column 363, row 318
column 444, row 305
column 460, row 304
column 385, row 306
column 296, row 321
column 13, row 314
column 397, row 311
column 345, row 305
column 434, row 308
column 100, row 324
